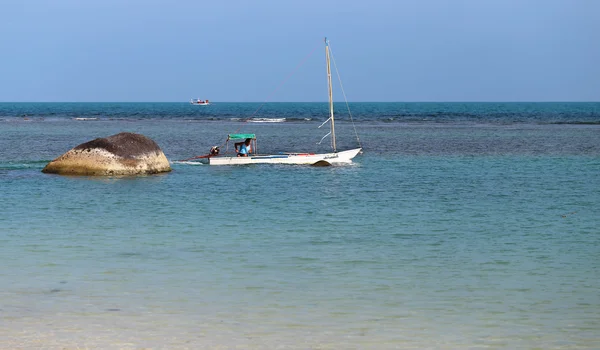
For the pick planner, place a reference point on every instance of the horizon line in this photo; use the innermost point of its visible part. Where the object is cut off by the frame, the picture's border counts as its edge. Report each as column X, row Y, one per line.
column 217, row 102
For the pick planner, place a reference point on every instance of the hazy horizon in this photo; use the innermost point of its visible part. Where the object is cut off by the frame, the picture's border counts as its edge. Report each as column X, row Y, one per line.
column 336, row 102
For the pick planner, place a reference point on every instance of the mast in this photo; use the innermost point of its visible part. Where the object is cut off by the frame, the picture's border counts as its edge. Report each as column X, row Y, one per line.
column 330, row 96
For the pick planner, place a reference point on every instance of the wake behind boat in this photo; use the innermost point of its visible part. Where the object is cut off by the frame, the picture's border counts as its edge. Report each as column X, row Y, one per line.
column 247, row 151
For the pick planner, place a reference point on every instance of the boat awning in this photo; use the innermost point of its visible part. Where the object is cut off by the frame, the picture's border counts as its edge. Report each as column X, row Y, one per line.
column 241, row 136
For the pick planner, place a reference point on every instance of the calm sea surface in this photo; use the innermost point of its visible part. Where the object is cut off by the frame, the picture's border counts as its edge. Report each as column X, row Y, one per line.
column 463, row 225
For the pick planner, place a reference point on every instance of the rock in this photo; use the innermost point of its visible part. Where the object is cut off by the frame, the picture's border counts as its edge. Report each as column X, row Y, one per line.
column 121, row 154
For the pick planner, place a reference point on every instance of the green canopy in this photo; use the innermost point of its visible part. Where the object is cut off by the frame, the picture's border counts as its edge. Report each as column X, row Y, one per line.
column 241, row 136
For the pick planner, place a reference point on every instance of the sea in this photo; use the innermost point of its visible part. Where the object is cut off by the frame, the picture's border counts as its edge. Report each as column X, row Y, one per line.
column 460, row 226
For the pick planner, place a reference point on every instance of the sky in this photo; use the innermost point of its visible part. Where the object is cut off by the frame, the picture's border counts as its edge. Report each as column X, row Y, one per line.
column 273, row 50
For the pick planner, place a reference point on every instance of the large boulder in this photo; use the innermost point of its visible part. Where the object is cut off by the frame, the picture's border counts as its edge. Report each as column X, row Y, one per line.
column 121, row 154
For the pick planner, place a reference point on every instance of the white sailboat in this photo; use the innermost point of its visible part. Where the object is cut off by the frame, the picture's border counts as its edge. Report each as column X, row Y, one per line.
column 335, row 157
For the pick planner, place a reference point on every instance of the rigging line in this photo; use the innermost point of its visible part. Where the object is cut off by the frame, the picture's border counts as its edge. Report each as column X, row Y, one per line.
column 325, row 122
column 282, row 83
column 323, row 138
column 344, row 93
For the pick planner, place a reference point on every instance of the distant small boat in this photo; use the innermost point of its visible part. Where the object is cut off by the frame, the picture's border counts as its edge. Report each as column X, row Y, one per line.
column 199, row 102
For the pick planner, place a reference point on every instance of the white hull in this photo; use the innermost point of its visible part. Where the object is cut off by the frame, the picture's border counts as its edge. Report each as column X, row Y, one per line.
column 344, row 157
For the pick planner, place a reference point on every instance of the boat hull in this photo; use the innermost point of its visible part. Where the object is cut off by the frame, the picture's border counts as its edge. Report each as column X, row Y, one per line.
column 344, row 157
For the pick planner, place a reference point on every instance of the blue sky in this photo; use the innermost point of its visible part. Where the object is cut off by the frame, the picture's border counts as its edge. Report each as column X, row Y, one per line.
column 236, row 50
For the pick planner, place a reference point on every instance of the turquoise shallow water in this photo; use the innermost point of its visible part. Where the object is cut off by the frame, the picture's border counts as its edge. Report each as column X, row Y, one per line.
column 455, row 234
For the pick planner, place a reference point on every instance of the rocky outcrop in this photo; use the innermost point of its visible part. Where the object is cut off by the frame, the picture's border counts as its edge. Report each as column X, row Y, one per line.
column 121, row 154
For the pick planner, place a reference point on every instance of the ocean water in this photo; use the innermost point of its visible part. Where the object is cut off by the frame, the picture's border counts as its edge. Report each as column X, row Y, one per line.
column 463, row 225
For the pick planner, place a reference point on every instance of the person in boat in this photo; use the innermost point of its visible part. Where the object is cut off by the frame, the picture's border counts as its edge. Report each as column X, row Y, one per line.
column 243, row 149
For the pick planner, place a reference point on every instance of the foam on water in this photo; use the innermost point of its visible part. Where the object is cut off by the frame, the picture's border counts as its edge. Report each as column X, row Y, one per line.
column 267, row 120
